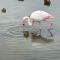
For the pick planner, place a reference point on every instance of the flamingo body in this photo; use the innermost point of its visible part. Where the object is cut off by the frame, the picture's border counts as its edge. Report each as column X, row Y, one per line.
column 40, row 15
column 37, row 16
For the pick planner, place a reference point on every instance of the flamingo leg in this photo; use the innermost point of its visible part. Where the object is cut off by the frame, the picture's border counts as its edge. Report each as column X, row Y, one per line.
column 40, row 28
column 50, row 32
column 40, row 33
column 50, row 27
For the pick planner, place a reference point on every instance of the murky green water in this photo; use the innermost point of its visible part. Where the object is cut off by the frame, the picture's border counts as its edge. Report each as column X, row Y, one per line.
column 13, row 45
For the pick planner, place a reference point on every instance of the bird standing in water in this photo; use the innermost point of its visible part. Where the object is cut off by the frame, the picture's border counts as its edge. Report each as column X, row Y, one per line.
column 47, row 2
column 38, row 16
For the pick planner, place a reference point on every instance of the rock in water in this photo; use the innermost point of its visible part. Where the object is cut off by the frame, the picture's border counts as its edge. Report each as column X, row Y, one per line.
column 20, row 0
column 4, row 10
column 47, row 2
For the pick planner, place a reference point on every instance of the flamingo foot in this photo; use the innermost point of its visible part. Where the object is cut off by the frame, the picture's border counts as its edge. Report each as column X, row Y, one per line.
column 39, row 34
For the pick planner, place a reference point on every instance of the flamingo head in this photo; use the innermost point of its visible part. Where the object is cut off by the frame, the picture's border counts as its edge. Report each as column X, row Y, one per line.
column 26, row 19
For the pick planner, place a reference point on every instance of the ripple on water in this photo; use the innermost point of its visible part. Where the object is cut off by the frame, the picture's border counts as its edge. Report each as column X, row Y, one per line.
column 17, row 32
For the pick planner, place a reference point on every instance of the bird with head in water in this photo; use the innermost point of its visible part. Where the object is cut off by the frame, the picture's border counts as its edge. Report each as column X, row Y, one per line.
column 37, row 16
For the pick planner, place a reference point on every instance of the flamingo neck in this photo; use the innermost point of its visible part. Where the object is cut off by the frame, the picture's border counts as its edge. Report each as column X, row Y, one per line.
column 29, row 22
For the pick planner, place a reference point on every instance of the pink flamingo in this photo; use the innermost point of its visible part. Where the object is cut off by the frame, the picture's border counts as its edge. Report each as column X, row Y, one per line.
column 38, row 16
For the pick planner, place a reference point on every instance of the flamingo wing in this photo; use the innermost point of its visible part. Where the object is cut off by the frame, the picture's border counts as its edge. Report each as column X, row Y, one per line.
column 40, row 15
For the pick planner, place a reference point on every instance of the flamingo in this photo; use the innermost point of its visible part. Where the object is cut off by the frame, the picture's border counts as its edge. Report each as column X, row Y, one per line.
column 38, row 16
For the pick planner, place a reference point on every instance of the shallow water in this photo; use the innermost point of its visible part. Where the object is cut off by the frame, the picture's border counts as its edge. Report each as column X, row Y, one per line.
column 13, row 45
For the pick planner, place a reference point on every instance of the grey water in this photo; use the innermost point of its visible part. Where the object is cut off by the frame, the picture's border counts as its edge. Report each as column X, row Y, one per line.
column 13, row 46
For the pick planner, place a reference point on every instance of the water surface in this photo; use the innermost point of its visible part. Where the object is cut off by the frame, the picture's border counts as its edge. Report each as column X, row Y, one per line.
column 13, row 46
